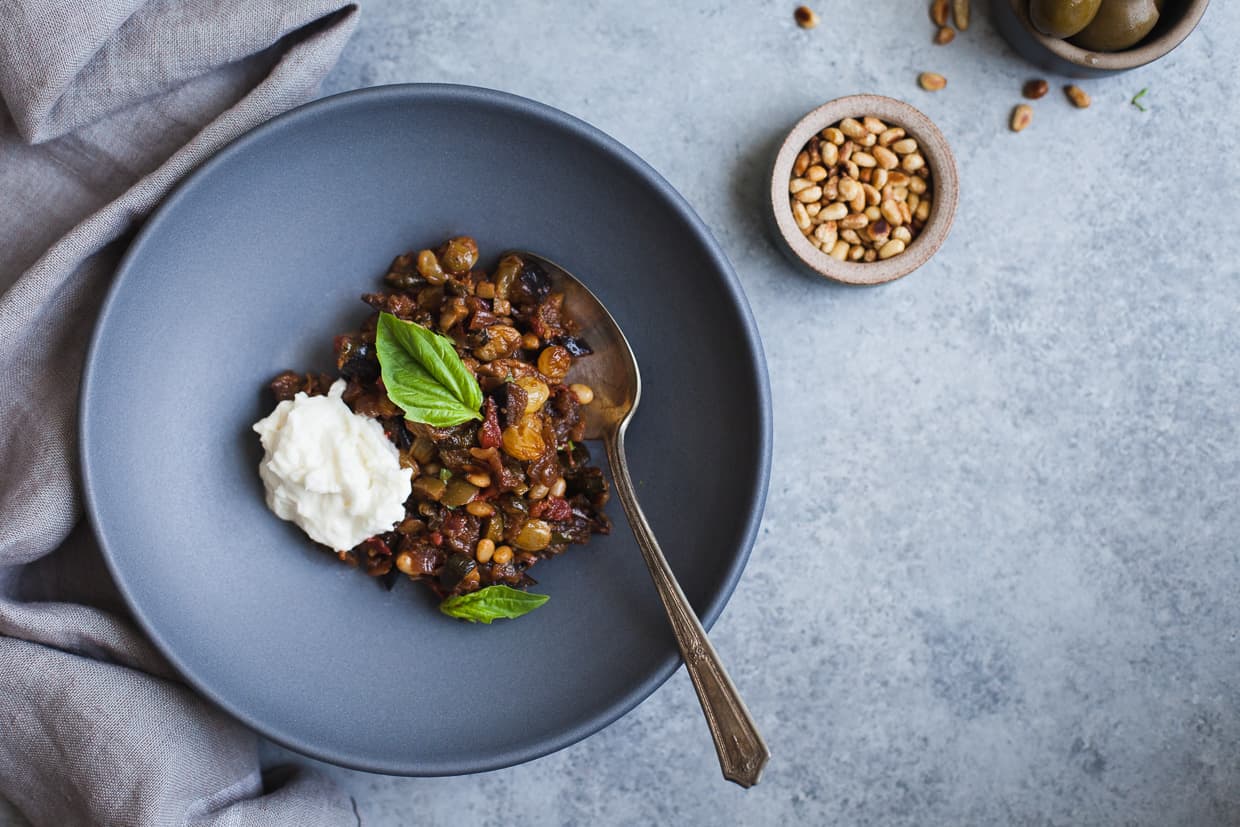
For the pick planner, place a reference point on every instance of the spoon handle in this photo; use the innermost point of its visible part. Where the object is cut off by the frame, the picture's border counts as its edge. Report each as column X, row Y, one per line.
column 742, row 752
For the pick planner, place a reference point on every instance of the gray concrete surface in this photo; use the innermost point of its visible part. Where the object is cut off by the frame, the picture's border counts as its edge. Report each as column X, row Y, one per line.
column 998, row 580
column 997, row 577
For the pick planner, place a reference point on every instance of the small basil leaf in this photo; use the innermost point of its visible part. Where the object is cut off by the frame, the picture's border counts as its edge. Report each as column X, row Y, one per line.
column 491, row 603
column 423, row 374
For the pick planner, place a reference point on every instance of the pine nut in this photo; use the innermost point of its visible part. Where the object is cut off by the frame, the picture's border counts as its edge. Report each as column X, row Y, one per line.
column 479, row 479
column 850, row 236
column 846, row 151
column 856, row 253
column 798, row 184
column 892, row 213
column 873, row 214
column 944, row 36
column 839, row 251
column 480, row 509
column 851, row 169
column 800, row 164
column 891, row 136
column 872, row 196
column 903, row 234
column 834, row 212
column 559, row 487
column 873, row 124
column 911, row 163
column 913, row 200
column 852, row 128
column 864, row 159
column 830, row 155
column 931, row 81
column 811, row 193
column 870, row 255
column 484, row 550
column 960, row 12
column 892, row 248
column 923, row 210
column 858, row 203
column 917, row 185
column 905, row 146
column 885, row 158
column 854, row 221
column 1078, row 96
column 584, row 393
column 812, row 210
column 826, row 232
column 806, row 17
column 879, row 179
column 1022, row 116
column 906, row 212
column 800, row 216
column 878, row 232
column 938, row 12
column 869, row 140
column 503, row 555
column 834, row 135
column 831, row 189
column 815, row 174
column 897, row 178
column 849, row 189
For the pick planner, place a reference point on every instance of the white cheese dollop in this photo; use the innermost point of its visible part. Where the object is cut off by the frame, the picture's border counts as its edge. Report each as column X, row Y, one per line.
column 331, row 471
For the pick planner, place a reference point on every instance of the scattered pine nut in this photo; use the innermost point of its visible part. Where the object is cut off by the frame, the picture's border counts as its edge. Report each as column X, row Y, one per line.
column 944, row 36
column 960, row 12
column 806, row 17
column 931, row 81
column 938, row 12
column 1078, row 96
column 1022, row 116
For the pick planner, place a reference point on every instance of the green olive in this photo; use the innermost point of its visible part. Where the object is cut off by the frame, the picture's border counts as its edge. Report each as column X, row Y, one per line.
column 460, row 492
column 1062, row 18
column 1119, row 25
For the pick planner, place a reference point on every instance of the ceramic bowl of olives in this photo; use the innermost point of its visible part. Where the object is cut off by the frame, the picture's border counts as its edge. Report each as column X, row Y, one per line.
column 1091, row 38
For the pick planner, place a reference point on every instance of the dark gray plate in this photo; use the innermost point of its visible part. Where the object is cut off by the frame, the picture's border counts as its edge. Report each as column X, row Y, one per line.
column 251, row 267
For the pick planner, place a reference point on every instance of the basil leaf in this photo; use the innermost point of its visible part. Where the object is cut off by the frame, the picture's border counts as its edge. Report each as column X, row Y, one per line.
column 490, row 603
column 423, row 374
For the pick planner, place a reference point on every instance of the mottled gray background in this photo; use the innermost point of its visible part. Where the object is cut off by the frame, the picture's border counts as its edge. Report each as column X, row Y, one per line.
column 997, row 578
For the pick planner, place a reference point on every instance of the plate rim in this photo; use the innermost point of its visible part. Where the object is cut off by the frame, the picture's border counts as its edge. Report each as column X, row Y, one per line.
column 412, row 94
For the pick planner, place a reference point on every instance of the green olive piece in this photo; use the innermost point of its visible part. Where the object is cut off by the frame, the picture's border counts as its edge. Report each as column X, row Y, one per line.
column 1119, row 25
column 1062, row 18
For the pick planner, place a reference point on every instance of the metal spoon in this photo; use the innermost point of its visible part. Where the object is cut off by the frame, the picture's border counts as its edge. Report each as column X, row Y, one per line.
column 612, row 373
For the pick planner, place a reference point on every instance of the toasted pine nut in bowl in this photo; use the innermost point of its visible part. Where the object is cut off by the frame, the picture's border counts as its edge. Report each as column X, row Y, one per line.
column 863, row 190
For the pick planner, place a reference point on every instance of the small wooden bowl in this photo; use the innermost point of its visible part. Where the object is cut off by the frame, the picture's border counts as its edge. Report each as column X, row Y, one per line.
column 1177, row 21
column 943, row 179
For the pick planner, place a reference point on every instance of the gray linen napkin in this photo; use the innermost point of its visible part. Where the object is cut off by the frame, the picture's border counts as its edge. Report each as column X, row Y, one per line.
column 109, row 103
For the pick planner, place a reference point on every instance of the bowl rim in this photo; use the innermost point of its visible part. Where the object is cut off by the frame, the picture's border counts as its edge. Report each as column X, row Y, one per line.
column 1140, row 55
column 945, row 183
column 94, row 477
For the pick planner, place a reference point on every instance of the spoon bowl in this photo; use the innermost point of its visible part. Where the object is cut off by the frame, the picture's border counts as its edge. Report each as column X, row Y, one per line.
column 612, row 373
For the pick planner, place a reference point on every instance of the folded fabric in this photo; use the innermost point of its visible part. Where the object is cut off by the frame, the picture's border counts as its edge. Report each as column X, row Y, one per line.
column 109, row 104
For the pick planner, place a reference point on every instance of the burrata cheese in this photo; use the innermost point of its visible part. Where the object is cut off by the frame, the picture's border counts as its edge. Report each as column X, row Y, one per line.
column 330, row 471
